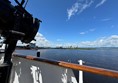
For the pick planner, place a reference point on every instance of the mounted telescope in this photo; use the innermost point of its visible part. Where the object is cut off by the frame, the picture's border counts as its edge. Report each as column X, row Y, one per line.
column 16, row 20
column 16, row 23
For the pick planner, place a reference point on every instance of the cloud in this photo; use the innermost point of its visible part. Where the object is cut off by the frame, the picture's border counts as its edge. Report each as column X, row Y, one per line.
column 85, row 5
column 59, row 40
column 112, row 26
column 107, row 19
column 41, row 41
column 101, row 3
column 78, row 7
column 88, row 31
column 91, row 30
column 111, row 41
column 82, row 33
column 73, row 10
column 19, row 43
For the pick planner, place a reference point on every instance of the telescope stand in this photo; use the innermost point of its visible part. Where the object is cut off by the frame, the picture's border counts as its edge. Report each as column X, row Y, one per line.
column 5, row 68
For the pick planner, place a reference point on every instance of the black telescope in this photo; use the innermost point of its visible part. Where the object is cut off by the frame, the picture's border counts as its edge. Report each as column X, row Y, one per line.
column 15, row 20
column 16, row 23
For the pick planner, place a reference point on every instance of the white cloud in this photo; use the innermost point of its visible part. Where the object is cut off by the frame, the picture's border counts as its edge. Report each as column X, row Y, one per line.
column 82, row 33
column 85, row 5
column 107, row 19
column 92, row 29
column 19, row 43
column 41, row 40
column 78, row 7
column 112, row 26
column 85, row 32
column 101, row 3
column 111, row 41
column 72, row 10
column 59, row 40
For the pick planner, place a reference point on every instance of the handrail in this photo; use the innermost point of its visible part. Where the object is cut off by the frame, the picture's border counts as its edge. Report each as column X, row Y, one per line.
column 94, row 70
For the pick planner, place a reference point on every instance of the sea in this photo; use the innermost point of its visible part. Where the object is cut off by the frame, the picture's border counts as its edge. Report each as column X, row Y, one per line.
column 100, row 57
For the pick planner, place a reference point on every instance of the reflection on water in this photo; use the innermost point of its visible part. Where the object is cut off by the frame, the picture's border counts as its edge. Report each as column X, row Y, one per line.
column 101, row 57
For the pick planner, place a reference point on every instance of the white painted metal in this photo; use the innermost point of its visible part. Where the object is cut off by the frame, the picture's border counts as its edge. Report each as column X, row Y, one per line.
column 80, row 72
column 29, row 71
column 1, row 59
column 2, row 49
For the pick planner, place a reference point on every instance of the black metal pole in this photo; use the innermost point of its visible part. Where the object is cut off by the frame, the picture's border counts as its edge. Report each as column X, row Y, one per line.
column 9, row 50
column 5, row 69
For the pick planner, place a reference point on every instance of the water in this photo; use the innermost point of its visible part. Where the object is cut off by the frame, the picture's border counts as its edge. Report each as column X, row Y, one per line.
column 101, row 57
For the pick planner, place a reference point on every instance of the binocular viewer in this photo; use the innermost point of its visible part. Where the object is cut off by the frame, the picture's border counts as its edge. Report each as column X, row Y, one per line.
column 16, row 22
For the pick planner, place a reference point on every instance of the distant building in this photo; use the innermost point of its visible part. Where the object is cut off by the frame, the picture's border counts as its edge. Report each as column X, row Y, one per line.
column 32, row 44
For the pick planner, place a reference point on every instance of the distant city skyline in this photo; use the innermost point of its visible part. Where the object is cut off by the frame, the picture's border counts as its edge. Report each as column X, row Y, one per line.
column 82, row 23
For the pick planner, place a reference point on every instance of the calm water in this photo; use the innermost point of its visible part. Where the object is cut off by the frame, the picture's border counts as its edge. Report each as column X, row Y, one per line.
column 101, row 57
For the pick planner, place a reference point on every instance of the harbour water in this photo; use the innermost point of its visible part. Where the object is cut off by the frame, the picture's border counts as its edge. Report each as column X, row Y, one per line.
column 100, row 57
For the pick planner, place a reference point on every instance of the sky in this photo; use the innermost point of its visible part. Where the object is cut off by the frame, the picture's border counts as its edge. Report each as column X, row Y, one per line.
column 82, row 23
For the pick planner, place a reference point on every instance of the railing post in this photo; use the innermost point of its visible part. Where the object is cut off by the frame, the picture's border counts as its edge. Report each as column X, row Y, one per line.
column 80, row 72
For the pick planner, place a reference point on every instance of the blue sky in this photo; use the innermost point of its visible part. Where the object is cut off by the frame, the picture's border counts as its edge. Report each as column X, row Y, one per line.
column 81, row 23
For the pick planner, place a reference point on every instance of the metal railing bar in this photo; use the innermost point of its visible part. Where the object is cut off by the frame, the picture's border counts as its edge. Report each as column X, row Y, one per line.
column 94, row 70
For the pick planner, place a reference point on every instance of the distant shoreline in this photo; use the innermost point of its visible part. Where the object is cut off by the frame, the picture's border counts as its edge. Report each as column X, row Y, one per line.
column 78, row 48
column 81, row 48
